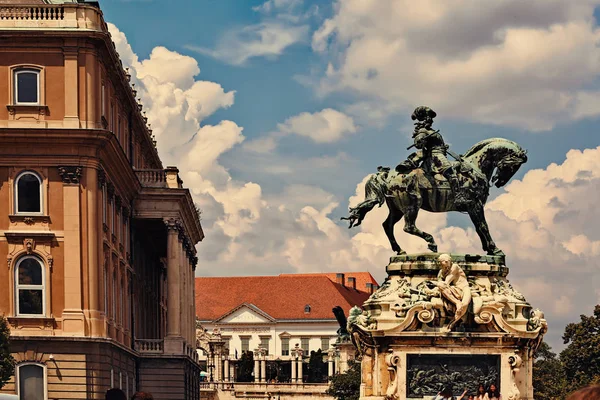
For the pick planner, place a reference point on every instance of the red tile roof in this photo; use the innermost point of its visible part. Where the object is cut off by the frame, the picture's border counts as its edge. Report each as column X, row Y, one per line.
column 362, row 278
column 281, row 297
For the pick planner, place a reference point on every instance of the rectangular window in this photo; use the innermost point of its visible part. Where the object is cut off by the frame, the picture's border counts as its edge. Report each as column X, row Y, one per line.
column 126, row 234
column 111, row 117
column 304, row 346
column 114, row 297
column 264, row 342
column 106, row 288
column 324, row 343
column 227, row 340
column 118, row 230
column 285, row 346
column 27, row 84
column 245, row 344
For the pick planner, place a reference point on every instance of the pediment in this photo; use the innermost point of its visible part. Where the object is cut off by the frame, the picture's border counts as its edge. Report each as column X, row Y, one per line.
column 245, row 314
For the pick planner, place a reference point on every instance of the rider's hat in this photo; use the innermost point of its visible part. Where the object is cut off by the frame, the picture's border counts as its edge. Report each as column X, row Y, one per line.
column 422, row 112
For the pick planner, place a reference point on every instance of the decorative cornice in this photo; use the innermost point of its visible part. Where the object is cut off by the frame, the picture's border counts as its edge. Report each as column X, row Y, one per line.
column 70, row 174
column 110, row 188
column 101, row 178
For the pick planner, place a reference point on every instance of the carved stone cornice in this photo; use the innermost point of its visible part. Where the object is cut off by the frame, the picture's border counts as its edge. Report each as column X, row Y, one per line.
column 194, row 262
column 70, row 174
column 110, row 188
column 101, row 178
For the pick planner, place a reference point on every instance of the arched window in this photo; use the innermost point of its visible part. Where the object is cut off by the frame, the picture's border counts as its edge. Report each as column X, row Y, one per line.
column 30, row 288
column 307, row 308
column 28, row 193
column 32, row 381
column 27, row 86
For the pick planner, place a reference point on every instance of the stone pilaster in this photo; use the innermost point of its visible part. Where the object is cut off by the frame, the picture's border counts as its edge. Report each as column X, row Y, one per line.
column 71, row 55
column 73, row 318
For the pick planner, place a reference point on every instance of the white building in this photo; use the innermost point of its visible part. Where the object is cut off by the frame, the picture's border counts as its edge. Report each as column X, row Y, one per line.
column 278, row 313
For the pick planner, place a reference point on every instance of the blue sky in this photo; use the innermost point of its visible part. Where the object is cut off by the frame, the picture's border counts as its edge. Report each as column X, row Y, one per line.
column 275, row 110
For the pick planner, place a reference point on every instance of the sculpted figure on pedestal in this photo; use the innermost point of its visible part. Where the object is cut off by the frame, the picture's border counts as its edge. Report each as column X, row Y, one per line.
column 454, row 288
column 428, row 180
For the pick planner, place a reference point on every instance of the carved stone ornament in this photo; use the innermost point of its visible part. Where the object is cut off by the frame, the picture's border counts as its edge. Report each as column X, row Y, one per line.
column 29, row 245
column 463, row 296
column 101, row 178
column 172, row 224
column 110, row 189
column 514, row 392
column 392, row 360
column 70, row 174
column 118, row 202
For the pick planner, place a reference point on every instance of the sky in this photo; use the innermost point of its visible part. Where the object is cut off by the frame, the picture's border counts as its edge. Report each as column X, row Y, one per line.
column 275, row 111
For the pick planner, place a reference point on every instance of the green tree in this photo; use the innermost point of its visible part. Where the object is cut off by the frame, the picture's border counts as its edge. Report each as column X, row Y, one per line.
column 317, row 369
column 346, row 386
column 549, row 381
column 581, row 358
column 7, row 362
column 245, row 367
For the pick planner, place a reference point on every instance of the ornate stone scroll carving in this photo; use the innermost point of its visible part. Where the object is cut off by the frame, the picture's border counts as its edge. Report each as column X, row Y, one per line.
column 70, row 174
column 392, row 360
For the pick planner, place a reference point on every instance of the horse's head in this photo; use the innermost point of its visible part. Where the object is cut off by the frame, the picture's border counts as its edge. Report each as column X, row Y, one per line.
column 507, row 166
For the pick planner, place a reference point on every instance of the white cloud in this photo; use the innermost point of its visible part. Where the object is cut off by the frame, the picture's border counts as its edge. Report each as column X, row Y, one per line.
column 267, row 39
column 270, row 6
column 525, row 64
column 325, row 126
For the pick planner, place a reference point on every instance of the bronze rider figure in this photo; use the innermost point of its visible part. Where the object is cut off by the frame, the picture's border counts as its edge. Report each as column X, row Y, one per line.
column 432, row 151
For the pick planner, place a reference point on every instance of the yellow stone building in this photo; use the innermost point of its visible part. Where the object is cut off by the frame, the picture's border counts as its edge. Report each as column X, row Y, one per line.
column 97, row 235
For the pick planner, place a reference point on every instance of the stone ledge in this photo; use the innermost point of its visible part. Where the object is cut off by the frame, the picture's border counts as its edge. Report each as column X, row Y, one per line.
column 426, row 264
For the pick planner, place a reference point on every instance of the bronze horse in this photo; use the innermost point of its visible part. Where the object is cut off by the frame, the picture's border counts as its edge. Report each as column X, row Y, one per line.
column 406, row 194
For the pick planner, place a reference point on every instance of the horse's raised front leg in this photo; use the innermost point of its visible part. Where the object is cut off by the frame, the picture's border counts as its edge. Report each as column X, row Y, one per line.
column 478, row 218
column 388, row 226
column 410, row 217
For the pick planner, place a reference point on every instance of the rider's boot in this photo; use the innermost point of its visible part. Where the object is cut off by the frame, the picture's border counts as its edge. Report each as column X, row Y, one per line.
column 459, row 196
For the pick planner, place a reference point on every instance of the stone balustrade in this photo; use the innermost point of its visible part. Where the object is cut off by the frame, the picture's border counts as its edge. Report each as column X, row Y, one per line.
column 149, row 346
column 52, row 16
column 152, row 177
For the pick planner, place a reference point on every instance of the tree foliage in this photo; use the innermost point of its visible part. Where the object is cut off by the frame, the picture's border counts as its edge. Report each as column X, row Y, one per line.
column 578, row 364
column 245, row 367
column 549, row 381
column 7, row 362
column 317, row 369
column 346, row 386
column 581, row 358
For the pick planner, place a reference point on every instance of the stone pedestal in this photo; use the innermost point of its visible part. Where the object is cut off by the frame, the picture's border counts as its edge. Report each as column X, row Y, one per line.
column 414, row 339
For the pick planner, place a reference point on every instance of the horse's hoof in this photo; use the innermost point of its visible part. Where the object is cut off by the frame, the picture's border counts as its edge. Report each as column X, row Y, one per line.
column 496, row 252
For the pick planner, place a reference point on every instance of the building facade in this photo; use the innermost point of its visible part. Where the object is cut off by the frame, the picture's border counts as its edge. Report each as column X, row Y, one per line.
column 97, row 235
column 280, row 319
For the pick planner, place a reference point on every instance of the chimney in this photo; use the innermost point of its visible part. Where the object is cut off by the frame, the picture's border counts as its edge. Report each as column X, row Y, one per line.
column 352, row 282
column 369, row 288
column 339, row 278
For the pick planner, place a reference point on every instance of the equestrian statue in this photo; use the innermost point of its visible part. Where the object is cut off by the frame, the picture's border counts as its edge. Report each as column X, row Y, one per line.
column 428, row 180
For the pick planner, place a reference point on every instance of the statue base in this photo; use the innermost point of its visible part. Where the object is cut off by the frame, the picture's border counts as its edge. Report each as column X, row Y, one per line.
column 415, row 338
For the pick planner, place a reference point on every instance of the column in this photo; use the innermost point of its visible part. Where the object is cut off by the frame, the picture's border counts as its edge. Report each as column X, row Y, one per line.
column 293, row 365
column 183, row 298
column 91, row 86
column 173, row 343
column 71, row 55
column 300, row 367
column 94, row 263
column 256, row 370
column 263, row 367
column 330, row 369
column 232, row 371
column 226, row 369
column 73, row 320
